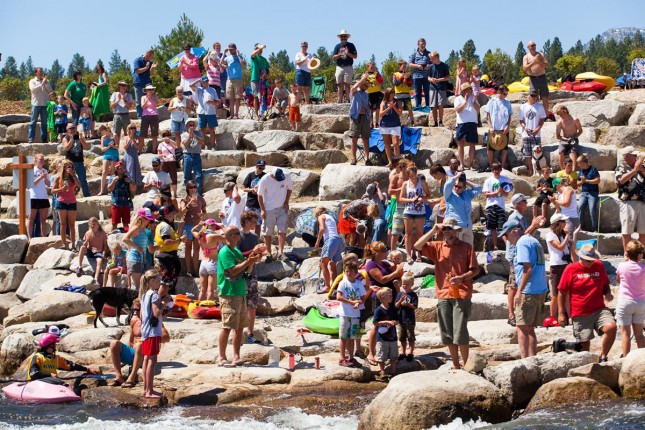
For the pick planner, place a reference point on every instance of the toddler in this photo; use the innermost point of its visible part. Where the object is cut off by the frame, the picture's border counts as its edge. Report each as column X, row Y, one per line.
column 545, row 188
column 280, row 97
column 110, row 155
column 86, row 118
column 60, row 117
column 407, row 302
column 116, row 266
column 51, row 118
column 294, row 109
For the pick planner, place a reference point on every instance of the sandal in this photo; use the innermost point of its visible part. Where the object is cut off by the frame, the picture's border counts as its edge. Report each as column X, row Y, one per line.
column 115, row 383
column 239, row 363
column 511, row 321
column 225, row 363
column 353, row 162
column 345, row 363
column 410, row 261
column 371, row 361
column 128, row 384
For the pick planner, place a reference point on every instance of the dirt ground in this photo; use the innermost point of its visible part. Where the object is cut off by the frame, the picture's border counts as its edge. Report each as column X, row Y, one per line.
column 7, row 107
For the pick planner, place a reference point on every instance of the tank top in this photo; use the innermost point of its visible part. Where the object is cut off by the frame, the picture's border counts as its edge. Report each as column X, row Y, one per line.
column 150, row 108
column 390, row 119
column 330, row 226
column 413, row 208
column 571, row 211
column 141, row 240
column 111, row 153
column 207, row 251
column 68, row 195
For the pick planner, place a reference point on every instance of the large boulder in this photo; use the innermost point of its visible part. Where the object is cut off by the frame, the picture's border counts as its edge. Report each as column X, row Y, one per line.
column 517, row 379
column 18, row 133
column 430, row 398
column 55, row 259
column 11, row 275
column 14, row 118
column 14, row 350
column 325, row 109
column 638, row 116
column 88, row 207
column 38, row 245
column 30, row 284
column 341, row 181
column 620, row 137
column 605, row 373
column 489, row 307
column 601, row 113
column 13, row 249
column 435, row 137
column 53, row 306
column 324, row 123
column 632, row 375
column 601, row 157
column 270, row 306
column 7, row 301
column 221, row 158
column 90, row 339
column 567, row 391
column 317, row 159
column 271, row 140
column 29, row 291
column 8, row 227
column 555, row 366
column 274, row 270
column 316, row 141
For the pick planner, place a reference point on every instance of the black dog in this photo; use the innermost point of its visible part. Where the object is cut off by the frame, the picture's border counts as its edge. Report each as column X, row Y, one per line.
column 115, row 297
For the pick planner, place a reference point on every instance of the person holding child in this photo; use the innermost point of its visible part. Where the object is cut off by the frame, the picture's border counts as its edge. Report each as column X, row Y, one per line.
column 352, row 295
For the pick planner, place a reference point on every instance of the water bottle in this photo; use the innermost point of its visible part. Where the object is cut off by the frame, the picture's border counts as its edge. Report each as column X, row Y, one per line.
column 489, row 257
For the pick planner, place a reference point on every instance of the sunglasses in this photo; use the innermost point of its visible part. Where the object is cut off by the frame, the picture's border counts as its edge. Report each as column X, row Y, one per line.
column 71, row 128
column 446, row 228
column 191, row 187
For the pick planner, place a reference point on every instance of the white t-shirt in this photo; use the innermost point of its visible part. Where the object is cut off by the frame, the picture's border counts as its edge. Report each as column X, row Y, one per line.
column 351, row 291
column 469, row 113
column 492, row 184
column 39, row 191
column 274, row 192
column 330, row 227
column 179, row 114
column 202, row 96
column 555, row 256
column 299, row 57
column 159, row 179
column 531, row 115
column 233, row 211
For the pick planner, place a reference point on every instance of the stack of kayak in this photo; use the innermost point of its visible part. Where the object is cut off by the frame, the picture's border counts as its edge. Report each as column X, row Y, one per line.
column 40, row 392
column 194, row 309
column 596, row 80
column 524, row 86
column 579, row 86
column 323, row 319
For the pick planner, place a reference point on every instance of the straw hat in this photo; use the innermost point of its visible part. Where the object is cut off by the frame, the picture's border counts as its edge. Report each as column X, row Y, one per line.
column 344, row 32
column 588, row 252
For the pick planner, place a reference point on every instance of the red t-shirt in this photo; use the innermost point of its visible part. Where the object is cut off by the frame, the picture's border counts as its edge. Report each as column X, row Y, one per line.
column 585, row 287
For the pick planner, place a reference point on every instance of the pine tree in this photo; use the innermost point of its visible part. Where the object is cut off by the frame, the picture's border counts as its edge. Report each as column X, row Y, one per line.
column 499, row 65
column 185, row 33
column 22, row 70
column 29, row 64
column 116, row 62
column 577, row 49
column 281, row 61
column 468, row 52
column 452, row 59
column 546, row 48
column 520, row 52
column 10, row 69
column 324, row 57
column 555, row 53
column 78, row 64
column 55, row 73
column 639, row 41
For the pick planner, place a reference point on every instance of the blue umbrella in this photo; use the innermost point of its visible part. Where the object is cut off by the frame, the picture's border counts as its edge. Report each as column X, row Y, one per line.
column 174, row 61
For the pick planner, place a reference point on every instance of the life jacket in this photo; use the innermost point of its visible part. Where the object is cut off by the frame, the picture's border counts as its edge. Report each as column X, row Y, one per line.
column 46, row 365
column 160, row 242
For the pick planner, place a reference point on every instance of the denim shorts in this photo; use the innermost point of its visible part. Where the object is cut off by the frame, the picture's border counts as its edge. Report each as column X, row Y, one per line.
column 188, row 231
column 303, row 78
column 333, row 248
column 207, row 121
column 62, row 206
column 178, row 126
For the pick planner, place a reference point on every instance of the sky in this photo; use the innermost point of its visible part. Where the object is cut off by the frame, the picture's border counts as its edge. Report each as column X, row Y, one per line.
column 95, row 28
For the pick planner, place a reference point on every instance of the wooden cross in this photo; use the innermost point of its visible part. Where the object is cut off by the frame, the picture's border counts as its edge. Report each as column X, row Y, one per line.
column 22, row 168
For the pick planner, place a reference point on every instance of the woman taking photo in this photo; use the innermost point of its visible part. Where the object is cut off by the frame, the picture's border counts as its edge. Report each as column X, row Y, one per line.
column 209, row 241
column 39, row 197
column 414, row 194
column 193, row 209
column 566, row 203
column 332, row 247
column 557, row 241
column 390, row 125
column 138, row 241
column 65, row 187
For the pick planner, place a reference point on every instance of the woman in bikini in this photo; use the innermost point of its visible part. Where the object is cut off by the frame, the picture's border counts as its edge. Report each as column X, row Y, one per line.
column 209, row 242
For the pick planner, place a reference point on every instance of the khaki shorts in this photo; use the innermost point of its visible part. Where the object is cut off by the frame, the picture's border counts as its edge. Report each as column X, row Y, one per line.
column 583, row 327
column 360, row 127
column 511, row 278
column 234, row 313
column 531, row 310
column 275, row 218
column 344, row 75
column 234, row 89
column 386, row 350
column 452, row 315
column 632, row 217
column 406, row 332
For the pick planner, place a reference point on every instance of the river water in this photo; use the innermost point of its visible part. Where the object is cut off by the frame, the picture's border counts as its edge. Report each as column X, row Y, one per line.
column 619, row 414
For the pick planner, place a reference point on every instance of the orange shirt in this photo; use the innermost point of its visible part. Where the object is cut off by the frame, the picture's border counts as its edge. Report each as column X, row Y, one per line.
column 456, row 259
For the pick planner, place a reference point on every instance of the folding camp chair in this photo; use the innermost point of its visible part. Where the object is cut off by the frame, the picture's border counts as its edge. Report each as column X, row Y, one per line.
column 637, row 78
column 318, row 89
column 410, row 141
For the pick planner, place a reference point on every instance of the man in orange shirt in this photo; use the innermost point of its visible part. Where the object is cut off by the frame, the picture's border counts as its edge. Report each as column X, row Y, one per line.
column 455, row 266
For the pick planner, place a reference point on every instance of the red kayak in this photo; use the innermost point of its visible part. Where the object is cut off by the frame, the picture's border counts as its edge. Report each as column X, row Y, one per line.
column 109, row 311
column 579, row 86
column 177, row 312
column 197, row 310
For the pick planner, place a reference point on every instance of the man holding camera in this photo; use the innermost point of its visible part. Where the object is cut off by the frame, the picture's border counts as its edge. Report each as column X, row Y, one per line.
column 40, row 88
column 630, row 178
column 121, row 189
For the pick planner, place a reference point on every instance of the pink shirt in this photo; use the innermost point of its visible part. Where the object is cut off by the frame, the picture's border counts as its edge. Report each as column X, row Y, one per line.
column 150, row 108
column 189, row 67
column 213, row 76
column 632, row 280
column 68, row 195
column 166, row 151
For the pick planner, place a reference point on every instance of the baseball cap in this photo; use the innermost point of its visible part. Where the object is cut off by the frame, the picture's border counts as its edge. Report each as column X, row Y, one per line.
column 370, row 190
column 210, row 222
column 204, row 79
column 153, row 207
column 166, row 210
column 118, row 164
column 630, row 150
column 229, row 186
column 517, row 198
column 145, row 213
column 508, row 226
column 557, row 217
column 533, row 94
column 557, row 181
column 279, row 174
column 155, row 160
column 260, row 163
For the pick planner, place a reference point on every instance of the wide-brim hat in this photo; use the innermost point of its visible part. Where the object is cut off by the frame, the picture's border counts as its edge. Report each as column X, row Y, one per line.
column 313, row 63
column 149, row 87
column 557, row 217
column 451, row 223
column 122, row 83
column 588, row 252
column 344, row 32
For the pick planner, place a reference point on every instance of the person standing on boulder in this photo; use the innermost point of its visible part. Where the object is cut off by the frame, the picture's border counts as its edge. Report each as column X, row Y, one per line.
column 142, row 67
column 438, row 76
column 359, row 119
column 40, row 88
column 259, row 77
column 534, row 64
column 420, row 63
column 455, row 267
column 459, row 194
column 530, row 270
column 344, row 53
column 251, row 189
column 630, row 177
column 274, row 191
column 234, row 63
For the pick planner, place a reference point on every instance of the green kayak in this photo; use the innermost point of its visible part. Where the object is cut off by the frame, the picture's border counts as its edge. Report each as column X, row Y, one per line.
column 318, row 323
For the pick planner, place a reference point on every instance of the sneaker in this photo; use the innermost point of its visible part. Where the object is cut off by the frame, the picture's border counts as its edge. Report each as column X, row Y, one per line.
column 79, row 272
column 602, row 360
column 436, row 125
column 251, row 339
column 440, row 123
column 559, row 345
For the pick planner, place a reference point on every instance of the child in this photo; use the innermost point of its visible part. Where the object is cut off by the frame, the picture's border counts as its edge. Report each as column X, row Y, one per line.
column 86, row 118
column 351, row 294
column 60, row 114
column 385, row 321
column 116, row 267
column 110, row 155
column 475, row 78
column 294, row 109
column 406, row 303
column 396, row 257
column 94, row 246
column 545, row 188
column 155, row 298
column 402, row 82
column 51, row 118
column 280, row 97
column 44, row 363
column 494, row 191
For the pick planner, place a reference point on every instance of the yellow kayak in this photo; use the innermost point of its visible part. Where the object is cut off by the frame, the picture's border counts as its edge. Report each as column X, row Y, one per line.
column 591, row 76
column 518, row 87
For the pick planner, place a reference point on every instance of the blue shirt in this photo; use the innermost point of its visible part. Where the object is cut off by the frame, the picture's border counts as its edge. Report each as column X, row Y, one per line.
column 500, row 111
column 422, row 59
column 440, row 70
column 530, row 251
column 590, row 173
column 233, row 66
column 459, row 206
column 140, row 79
column 360, row 100
column 511, row 249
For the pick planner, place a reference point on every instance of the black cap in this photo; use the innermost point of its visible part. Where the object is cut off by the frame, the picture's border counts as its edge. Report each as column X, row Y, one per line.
column 261, row 163
column 153, row 207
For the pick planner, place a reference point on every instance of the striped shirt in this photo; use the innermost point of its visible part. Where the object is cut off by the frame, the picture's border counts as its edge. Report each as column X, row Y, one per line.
column 213, row 76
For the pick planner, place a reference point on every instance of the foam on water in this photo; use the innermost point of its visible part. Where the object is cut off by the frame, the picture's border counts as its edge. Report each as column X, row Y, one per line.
column 458, row 424
column 288, row 419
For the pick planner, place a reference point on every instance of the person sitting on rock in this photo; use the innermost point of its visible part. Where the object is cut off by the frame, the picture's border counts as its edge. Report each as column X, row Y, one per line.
column 94, row 246
column 130, row 353
column 567, row 131
column 44, row 363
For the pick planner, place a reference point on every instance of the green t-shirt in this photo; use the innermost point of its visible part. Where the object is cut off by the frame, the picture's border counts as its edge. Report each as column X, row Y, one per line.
column 77, row 91
column 258, row 63
column 226, row 259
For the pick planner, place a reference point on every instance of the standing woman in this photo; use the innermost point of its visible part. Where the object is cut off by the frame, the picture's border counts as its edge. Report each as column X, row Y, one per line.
column 74, row 94
column 100, row 96
column 394, row 189
column 110, row 151
column 65, row 186
column 303, row 74
column 630, row 308
column 189, row 69
column 566, row 203
column 557, row 241
column 390, row 125
column 420, row 63
column 209, row 242
column 414, row 194
column 178, row 108
column 166, row 152
column 149, row 117
column 138, row 241
column 193, row 209
column 462, row 75
column 39, row 198
column 132, row 148
column 332, row 248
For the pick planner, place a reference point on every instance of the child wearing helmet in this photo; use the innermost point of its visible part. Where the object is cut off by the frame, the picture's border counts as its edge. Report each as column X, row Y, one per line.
column 44, row 363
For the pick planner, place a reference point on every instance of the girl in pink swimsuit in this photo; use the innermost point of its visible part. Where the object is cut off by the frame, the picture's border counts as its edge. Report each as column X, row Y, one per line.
column 209, row 242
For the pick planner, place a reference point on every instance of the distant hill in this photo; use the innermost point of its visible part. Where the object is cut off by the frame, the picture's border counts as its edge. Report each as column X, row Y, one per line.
column 619, row 34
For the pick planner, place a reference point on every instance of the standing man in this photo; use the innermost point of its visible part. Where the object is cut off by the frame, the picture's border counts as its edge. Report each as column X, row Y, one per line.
column 234, row 63
column 359, row 119
column 438, row 75
column 259, row 76
column 459, row 194
column 466, row 107
column 532, row 117
column 193, row 142
column 567, row 130
column 40, row 88
column 274, row 191
column 589, row 184
column 232, row 206
column 455, row 266
column 344, row 53
column 420, row 64
column 231, row 266
column 250, row 184
column 498, row 117
column 303, row 74
column 530, row 270
column 121, row 189
column 207, row 102
column 534, row 64
column 630, row 178
column 142, row 67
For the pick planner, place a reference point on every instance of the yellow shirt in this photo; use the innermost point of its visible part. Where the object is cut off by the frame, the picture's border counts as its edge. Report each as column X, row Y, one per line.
column 165, row 229
column 340, row 278
column 573, row 176
column 404, row 86
column 374, row 85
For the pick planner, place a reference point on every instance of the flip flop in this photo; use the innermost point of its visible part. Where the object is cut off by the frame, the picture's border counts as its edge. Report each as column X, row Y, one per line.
column 115, row 383
column 239, row 363
column 372, row 362
column 128, row 384
column 225, row 363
